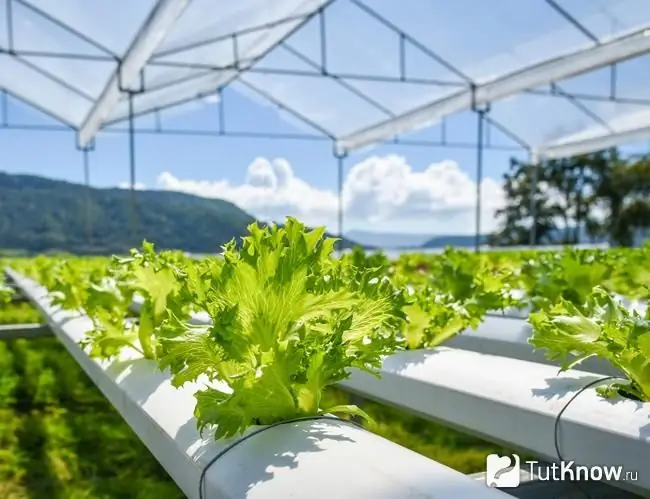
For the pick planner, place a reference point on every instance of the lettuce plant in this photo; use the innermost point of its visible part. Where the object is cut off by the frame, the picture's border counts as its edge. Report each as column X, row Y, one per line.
column 288, row 320
column 603, row 328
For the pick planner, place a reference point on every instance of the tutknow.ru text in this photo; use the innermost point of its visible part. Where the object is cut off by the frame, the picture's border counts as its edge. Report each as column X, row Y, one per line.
column 569, row 471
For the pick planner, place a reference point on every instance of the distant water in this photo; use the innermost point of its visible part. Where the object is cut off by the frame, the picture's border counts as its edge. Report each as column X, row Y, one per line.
column 393, row 253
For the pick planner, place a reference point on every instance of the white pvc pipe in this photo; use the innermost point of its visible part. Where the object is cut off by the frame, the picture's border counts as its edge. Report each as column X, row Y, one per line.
column 325, row 459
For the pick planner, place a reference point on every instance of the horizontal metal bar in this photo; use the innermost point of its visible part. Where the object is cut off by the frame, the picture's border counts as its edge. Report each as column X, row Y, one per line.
column 160, row 21
column 26, row 331
column 18, row 298
column 548, row 71
column 636, row 130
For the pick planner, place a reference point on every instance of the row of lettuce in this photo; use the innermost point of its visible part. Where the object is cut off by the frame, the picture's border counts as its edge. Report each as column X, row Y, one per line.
column 54, row 419
column 288, row 319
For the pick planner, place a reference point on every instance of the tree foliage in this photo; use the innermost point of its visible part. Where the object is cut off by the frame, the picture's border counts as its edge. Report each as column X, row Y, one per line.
column 600, row 196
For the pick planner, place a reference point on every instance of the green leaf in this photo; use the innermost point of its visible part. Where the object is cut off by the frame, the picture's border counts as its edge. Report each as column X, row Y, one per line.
column 350, row 410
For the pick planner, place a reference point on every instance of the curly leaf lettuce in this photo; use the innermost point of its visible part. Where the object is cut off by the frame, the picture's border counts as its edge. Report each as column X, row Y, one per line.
column 287, row 321
column 463, row 289
column 603, row 328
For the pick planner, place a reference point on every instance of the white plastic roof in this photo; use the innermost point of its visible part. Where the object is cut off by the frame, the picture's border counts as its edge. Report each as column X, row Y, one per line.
column 362, row 72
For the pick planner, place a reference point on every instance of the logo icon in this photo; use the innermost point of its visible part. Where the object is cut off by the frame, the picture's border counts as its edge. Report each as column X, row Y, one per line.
column 502, row 471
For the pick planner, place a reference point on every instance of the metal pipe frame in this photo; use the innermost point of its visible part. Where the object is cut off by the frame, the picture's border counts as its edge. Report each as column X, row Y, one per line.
column 155, row 57
column 546, row 72
column 480, row 137
column 23, row 331
column 222, row 131
column 611, row 96
column 160, row 21
column 142, row 54
column 631, row 127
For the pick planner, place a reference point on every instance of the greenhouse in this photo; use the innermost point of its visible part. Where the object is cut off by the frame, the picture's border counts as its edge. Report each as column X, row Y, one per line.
column 281, row 367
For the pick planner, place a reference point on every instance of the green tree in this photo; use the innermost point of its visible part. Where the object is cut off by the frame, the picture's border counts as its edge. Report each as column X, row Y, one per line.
column 569, row 180
column 519, row 185
column 602, row 193
column 622, row 189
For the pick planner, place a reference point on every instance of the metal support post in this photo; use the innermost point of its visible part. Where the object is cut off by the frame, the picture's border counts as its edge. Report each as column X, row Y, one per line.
column 85, row 154
column 480, row 113
column 86, row 163
column 340, row 164
column 131, row 93
column 534, row 164
column 134, row 219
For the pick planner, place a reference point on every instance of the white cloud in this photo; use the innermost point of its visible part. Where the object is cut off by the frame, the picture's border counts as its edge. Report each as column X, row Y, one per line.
column 381, row 190
column 139, row 186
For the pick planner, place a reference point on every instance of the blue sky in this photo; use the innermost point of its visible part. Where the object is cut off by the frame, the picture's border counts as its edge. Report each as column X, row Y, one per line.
column 390, row 187
column 213, row 159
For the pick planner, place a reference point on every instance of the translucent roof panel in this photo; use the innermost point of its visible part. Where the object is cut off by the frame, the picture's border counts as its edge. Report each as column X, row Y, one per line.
column 504, row 47
column 174, row 83
column 322, row 101
column 223, row 34
column 608, row 18
column 488, row 39
column 65, row 51
column 40, row 91
column 338, row 104
column 623, row 128
column 357, row 43
column 37, row 39
column 621, row 123
column 540, row 119
column 365, row 79
column 193, row 88
column 156, row 77
column 206, row 20
column 111, row 24
column 631, row 78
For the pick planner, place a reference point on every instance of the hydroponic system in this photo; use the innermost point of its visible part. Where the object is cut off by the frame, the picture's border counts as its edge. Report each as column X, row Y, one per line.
column 224, row 366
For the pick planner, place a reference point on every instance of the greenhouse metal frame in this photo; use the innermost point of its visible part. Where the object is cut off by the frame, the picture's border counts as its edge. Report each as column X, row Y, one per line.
column 186, row 50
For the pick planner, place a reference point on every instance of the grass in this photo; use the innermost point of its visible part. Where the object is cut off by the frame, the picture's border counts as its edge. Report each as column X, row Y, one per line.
column 19, row 313
column 61, row 439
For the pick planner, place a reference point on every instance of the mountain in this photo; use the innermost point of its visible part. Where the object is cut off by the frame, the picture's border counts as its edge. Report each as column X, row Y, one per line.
column 388, row 240
column 39, row 214
column 459, row 241
column 396, row 240
column 468, row 241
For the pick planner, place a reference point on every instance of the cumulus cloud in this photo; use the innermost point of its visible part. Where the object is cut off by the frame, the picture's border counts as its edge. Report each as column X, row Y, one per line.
column 271, row 191
column 379, row 190
column 139, row 186
column 383, row 188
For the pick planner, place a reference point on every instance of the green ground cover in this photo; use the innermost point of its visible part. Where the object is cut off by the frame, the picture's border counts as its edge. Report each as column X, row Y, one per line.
column 61, row 439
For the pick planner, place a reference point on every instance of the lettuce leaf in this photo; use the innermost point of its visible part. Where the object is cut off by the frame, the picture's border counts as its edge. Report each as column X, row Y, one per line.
column 600, row 327
column 287, row 321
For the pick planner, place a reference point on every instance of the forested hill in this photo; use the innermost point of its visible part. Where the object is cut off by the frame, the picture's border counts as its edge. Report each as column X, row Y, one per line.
column 39, row 214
